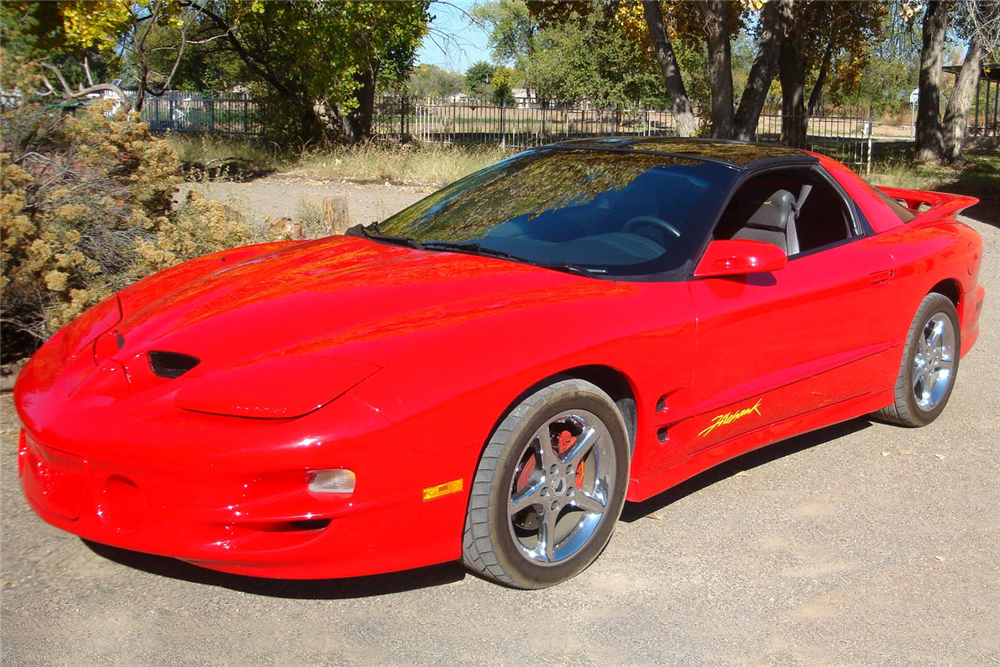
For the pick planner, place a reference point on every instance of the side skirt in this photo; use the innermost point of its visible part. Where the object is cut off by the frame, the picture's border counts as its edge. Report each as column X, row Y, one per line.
column 640, row 490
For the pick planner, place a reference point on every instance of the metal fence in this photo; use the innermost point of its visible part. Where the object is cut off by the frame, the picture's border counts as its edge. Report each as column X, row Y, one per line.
column 474, row 122
column 843, row 133
column 183, row 112
column 846, row 134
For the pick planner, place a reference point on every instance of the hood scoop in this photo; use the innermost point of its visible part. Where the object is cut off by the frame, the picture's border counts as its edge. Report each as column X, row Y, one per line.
column 171, row 364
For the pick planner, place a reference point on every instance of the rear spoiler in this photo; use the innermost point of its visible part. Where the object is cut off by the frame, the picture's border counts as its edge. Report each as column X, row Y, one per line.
column 921, row 202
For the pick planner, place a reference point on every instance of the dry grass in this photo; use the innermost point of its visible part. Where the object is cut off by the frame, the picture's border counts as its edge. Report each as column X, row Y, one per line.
column 225, row 157
column 419, row 165
column 228, row 158
column 978, row 175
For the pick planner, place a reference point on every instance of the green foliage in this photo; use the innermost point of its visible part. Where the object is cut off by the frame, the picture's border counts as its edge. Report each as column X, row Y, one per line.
column 477, row 80
column 502, row 85
column 593, row 58
column 314, row 60
column 512, row 30
column 432, row 81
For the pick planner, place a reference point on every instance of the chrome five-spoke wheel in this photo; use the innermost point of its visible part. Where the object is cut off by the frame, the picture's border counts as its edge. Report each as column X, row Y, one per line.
column 560, row 488
column 549, row 487
column 934, row 362
column 930, row 364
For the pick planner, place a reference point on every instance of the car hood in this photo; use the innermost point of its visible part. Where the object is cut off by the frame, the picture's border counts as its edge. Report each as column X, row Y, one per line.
column 339, row 297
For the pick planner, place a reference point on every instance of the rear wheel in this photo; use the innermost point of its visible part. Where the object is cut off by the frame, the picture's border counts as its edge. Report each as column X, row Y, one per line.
column 930, row 364
column 549, row 488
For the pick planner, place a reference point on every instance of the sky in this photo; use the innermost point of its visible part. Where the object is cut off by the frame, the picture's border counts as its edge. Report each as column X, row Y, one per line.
column 453, row 43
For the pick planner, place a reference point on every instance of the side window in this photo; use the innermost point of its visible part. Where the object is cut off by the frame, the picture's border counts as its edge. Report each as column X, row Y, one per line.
column 767, row 208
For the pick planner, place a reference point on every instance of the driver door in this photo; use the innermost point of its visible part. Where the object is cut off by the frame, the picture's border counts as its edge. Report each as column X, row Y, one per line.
column 774, row 346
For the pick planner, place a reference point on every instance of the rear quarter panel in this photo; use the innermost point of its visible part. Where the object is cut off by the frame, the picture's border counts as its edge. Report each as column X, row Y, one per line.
column 932, row 251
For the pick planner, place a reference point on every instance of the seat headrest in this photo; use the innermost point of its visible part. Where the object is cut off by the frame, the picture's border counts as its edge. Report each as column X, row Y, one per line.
column 775, row 213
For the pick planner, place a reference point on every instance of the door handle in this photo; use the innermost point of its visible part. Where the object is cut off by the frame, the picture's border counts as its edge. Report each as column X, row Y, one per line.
column 880, row 278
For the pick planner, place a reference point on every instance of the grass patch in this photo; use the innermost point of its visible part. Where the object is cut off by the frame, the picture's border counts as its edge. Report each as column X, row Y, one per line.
column 214, row 157
column 421, row 165
column 978, row 176
column 226, row 158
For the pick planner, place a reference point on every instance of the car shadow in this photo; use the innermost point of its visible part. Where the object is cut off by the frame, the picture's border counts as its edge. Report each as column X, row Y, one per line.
column 748, row 461
column 447, row 573
column 297, row 589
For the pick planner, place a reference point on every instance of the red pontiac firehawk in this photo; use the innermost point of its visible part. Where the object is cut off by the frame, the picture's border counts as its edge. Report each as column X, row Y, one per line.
column 491, row 373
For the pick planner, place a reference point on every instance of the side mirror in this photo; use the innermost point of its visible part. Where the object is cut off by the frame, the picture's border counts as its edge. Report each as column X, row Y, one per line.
column 739, row 257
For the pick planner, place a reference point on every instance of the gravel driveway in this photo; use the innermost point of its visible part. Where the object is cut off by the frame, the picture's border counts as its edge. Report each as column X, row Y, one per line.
column 862, row 544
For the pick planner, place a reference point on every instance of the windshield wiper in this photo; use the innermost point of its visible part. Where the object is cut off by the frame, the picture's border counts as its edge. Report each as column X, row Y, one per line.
column 472, row 249
column 362, row 232
column 477, row 249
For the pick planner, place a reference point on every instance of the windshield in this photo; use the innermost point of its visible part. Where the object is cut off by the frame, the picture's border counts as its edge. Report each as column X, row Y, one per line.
column 620, row 214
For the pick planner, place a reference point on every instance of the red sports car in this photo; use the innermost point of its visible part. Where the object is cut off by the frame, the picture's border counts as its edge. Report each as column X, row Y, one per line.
column 491, row 373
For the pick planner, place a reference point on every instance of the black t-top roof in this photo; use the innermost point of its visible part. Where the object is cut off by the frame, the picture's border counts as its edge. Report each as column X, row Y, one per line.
column 735, row 153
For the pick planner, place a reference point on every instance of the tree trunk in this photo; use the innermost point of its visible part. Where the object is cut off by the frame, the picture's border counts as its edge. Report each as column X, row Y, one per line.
column 817, row 92
column 359, row 121
column 956, row 117
column 792, row 72
column 774, row 22
column 720, row 69
column 929, row 141
column 668, row 64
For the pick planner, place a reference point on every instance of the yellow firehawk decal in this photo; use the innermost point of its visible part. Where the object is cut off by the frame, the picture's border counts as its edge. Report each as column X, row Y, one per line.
column 730, row 417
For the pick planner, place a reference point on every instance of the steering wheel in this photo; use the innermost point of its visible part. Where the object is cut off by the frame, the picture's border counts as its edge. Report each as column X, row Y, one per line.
column 651, row 222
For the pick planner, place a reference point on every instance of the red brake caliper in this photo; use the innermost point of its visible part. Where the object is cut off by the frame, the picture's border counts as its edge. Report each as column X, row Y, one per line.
column 567, row 440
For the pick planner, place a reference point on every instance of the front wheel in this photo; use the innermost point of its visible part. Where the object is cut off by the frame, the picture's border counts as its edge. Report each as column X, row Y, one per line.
column 930, row 364
column 549, row 488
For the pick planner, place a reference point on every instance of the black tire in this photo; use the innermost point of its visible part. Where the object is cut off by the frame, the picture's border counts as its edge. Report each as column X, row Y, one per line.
column 554, row 531
column 919, row 402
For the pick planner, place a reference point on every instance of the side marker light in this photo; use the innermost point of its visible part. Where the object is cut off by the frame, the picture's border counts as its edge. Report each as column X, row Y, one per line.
column 432, row 492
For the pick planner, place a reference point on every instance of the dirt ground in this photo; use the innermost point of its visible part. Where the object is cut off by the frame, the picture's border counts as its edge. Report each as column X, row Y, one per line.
column 861, row 544
column 291, row 195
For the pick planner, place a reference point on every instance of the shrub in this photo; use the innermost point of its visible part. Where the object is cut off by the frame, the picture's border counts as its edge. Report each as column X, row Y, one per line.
column 87, row 207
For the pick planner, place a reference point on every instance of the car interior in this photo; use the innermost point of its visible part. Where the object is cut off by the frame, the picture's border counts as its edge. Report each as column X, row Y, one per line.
column 797, row 210
column 639, row 223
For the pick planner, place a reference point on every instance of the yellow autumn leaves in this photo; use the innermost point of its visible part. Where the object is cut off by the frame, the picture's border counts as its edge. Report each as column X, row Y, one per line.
column 89, row 208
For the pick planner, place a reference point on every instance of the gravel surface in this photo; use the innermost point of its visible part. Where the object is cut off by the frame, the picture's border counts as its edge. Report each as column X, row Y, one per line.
column 862, row 544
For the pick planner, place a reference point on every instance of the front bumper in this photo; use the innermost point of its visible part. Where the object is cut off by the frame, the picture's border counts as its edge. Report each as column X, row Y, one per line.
column 246, row 508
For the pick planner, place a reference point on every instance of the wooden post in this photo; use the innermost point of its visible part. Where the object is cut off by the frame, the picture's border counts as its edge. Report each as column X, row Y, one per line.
column 335, row 214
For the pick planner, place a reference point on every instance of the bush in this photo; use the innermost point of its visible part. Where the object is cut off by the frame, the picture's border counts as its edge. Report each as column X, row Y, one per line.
column 87, row 208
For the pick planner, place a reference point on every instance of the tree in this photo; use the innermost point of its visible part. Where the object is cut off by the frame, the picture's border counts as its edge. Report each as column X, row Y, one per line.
column 665, row 56
column 929, row 135
column 319, row 62
column 477, row 80
column 432, row 81
column 978, row 21
column 719, row 21
column 589, row 55
column 773, row 24
column 823, row 36
column 512, row 31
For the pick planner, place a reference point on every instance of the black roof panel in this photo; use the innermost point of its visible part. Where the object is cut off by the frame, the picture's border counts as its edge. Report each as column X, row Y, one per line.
column 736, row 153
